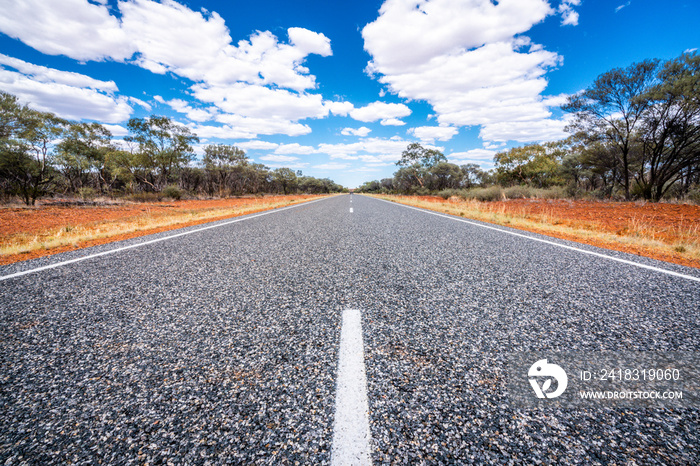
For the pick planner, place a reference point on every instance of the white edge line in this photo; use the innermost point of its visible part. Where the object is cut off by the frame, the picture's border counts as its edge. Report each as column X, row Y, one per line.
column 351, row 434
column 597, row 254
column 112, row 251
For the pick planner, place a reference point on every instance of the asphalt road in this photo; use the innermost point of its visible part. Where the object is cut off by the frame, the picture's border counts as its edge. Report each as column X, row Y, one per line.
column 222, row 345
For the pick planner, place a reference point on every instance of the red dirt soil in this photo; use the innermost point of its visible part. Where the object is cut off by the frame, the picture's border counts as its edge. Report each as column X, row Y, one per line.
column 45, row 218
column 668, row 223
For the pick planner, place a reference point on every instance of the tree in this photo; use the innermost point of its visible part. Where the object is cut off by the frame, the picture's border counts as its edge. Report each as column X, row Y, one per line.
column 611, row 110
column 472, row 175
column 444, row 175
column 82, row 151
column 417, row 160
column 26, row 138
column 533, row 164
column 220, row 159
column 286, row 179
column 164, row 146
column 670, row 131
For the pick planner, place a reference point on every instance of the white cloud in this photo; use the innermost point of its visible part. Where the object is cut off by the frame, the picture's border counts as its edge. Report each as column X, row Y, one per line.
column 75, row 28
column 410, row 33
column 261, row 78
column 339, row 108
column 376, row 150
column 279, row 158
column 48, row 75
column 433, row 133
column 525, row 131
column 141, row 103
column 466, row 59
column 194, row 114
column 164, row 36
column 240, row 127
column 60, row 92
column 622, row 6
column 472, row 156
column 392, row 122
column 309, row 42
column 294, row 148
column 116, row 130
column 380, row 111
column 362, row 132
column 256, row 145
column 332, row 166
column 569, row 17
column 261, row 102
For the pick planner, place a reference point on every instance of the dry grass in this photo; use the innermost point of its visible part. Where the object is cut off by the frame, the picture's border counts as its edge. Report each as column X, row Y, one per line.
column 678, row 242
column 152, row 218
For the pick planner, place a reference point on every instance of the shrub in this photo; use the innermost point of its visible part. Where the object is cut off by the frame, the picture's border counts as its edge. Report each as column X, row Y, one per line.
column 144, row 196
column 448, row 193
column 519, row 192
column 492, row 193
column 555, row 192
column 87, row 193
column 173, row 192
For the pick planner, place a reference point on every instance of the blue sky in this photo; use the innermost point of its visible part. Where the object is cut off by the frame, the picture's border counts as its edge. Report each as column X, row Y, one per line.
column 335, row 89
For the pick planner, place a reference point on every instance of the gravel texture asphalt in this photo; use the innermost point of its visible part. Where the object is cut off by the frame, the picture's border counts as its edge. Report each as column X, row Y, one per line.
column 221, row 346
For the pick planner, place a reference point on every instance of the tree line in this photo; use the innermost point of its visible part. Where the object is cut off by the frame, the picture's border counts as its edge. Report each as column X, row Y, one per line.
column 634, row 134
column 44, row 155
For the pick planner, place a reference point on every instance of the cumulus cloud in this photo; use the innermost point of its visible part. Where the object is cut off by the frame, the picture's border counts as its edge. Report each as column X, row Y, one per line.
column 482, row 156
column 569, row 17
column 370, row 150
column 279, row 158
column 262, row 77
column 116, row 130
column 294, row 148
column 386, row 112
column 339, row 108
column 68, row 95
column 433, row 133
column 332, row 166
column 194, row 114
column 469, row 60
column 257, row 145
column 361, row 132
column 75, row 28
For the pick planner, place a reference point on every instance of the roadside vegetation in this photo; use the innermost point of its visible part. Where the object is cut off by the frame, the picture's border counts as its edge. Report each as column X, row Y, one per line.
column 43, row 156
column 635, row 135
column 30, row 233
column 634, row 141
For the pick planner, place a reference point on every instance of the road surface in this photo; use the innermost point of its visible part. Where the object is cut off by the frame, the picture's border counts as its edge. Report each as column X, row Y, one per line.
column 223, row 344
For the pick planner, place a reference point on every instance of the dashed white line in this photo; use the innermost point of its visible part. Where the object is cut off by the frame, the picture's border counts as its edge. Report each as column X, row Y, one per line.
column 604, row 256
column 351, row 435
column 351, row 210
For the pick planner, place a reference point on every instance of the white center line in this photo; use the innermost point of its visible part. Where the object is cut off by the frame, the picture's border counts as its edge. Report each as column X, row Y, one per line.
column 351, row 435
column 351, row 210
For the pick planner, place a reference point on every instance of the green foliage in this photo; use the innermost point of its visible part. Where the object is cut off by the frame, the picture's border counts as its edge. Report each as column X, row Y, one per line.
column 173, row 192
column 640, row 128
column 417, row 154
column 533, row 165
column 26, row 137
column 492, row 193
column 87, row 193
column 164, row 146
